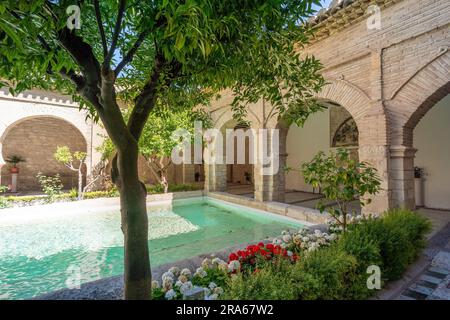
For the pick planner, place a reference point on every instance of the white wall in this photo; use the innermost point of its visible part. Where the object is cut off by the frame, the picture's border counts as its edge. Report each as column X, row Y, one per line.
column 432, row 139
column 303, row 144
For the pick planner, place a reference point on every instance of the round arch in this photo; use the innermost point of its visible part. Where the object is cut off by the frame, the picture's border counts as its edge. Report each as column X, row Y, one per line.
column 35, row 138
column 413, row 99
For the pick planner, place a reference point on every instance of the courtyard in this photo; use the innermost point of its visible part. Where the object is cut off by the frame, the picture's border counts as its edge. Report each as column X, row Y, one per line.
column 367, row 153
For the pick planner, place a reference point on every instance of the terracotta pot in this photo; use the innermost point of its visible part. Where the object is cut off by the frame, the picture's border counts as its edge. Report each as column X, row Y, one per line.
column 14, row 170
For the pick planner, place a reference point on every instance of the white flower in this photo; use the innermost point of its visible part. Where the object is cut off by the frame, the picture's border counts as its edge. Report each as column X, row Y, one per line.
column 206, row 263
column 212, row 297
column 289, row 253
column 234, row 265
column 168, row 274
column 170, row 294
column 284, row 232
column 318, row 233
column 186, row 287
column 207, row 291
column 223, row 266
column 218, row 291
column 155, row 284
column 182, row 278
column 167, row 283
column 287, row 238
column 305, row 239
column 217, row 261
column 277, row 241
column 178, row 283
column 212, row 285
column 175, row 271
column 186, row 272
column 200, row 272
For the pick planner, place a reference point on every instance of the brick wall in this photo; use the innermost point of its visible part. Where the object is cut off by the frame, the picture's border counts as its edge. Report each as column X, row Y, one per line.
column 36, row 140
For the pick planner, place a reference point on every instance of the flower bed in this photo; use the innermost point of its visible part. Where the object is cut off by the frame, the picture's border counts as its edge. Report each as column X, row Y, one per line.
column 307, row 264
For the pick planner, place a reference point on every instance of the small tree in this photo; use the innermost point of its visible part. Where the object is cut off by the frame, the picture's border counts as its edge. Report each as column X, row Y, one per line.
column 158, row 52
column 51, row 185
column 73, row 161
column 157, row 140
column 342, row 180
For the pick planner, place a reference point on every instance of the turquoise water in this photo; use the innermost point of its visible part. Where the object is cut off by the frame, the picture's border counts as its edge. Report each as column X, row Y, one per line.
column 40, row 255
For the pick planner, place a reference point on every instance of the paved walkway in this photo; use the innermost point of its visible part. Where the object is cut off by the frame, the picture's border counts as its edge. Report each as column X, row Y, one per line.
column 429, row 277
column 292, row 197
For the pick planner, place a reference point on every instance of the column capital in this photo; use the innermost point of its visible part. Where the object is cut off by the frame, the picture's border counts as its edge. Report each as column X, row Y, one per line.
column 402, row 152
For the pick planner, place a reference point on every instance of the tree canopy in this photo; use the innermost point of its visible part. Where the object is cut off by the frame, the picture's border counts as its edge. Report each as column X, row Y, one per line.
column 203, row 46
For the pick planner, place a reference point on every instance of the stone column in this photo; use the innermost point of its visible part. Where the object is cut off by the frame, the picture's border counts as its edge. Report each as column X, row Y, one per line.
column 215, row 177
column 401, row 177
column 377, row 156
column 269, row 178
column 188, row 173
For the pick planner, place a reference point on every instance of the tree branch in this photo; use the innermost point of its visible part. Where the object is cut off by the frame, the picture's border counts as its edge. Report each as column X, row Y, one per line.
column 98, row 16
column 130, row 54
column 117, row 27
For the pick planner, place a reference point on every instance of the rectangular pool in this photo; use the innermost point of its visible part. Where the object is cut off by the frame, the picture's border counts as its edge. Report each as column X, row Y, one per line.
column 42, row 254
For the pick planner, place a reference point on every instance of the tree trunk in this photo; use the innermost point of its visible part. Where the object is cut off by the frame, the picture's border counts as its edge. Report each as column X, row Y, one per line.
column 164, row 182
column 137, row 274
column 80, row 184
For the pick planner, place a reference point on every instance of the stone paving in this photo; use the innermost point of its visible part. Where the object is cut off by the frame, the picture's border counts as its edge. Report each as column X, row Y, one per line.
column 292, row 197
column 433, row 283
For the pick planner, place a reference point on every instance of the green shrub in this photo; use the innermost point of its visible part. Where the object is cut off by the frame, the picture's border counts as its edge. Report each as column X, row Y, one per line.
column 272, row 282
column 333, row 271
column 399, row 236
column 157, row 189
column 339, row 271
column 3, row 189
column 4, row 203
column 102, row 194
column 51, row 186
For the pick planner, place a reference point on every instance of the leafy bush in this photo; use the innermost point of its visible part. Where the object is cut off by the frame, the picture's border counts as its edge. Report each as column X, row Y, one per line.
column 157, row 189
column 3, row 189
column 102, row 194
column 51, row 185
column 342, row 180
column 399, row 237
column 269, row 283
column 333, row 271
column 4, row 203
column 339, row 271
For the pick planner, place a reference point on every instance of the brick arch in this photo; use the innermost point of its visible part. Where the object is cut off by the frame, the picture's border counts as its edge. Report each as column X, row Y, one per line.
column 348, row 95
column 226, row 115
column 414, row 98
column 36, row 138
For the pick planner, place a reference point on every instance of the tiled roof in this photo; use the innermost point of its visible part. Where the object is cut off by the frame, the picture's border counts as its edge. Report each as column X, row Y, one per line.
column 342, row 13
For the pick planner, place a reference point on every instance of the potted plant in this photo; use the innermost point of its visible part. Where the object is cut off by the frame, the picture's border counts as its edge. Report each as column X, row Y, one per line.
column 418, row 186
column 14, row 160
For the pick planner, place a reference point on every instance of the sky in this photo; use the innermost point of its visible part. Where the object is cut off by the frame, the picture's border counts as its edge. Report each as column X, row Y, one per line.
column 325, row 3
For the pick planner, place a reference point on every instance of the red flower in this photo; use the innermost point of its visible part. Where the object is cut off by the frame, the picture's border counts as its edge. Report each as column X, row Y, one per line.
column 233, row 257
column 261, row 245
column 269, row 246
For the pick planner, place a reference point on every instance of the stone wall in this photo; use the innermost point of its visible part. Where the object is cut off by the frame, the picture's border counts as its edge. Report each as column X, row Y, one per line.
column 386, row 78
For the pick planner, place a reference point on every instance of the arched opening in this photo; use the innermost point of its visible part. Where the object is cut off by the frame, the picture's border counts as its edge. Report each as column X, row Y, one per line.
column 35, row 139
column 239, row 167
column 432, row 158
column 331, row 128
